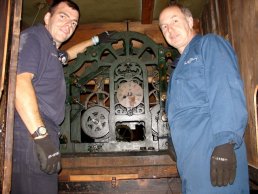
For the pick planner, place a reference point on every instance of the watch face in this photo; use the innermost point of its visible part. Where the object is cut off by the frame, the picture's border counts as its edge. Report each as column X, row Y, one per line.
column 42, row 130
column 129, row 94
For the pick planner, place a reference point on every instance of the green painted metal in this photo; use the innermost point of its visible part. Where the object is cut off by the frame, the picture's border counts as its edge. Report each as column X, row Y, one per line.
column 116, row 96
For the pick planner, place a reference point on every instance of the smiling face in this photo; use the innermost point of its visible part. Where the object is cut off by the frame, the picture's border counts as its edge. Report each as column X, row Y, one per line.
column 176, row 27
column 61, row 23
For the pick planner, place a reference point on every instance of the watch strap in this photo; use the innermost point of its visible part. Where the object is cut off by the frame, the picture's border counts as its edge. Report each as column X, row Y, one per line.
column 37, row 133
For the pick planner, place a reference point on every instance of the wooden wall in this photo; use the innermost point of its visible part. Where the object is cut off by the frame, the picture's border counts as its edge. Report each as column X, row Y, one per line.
column 86, row 31
column 4, row 23
column 237, row 22
column 3, row 16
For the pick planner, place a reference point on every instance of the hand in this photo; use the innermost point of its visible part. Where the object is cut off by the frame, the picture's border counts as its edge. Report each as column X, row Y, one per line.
column 48, row 155
column 107, row 36
column 223, row 165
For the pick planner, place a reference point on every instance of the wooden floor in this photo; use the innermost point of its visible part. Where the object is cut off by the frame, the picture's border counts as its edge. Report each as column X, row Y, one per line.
column 130, row 173
column 119, row 173
column 140, row 186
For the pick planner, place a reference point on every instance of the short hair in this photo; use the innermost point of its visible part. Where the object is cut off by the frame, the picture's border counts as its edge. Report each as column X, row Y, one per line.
column 70, row 3
column 183, row 9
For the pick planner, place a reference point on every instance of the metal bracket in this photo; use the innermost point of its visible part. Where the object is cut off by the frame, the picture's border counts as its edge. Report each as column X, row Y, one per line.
column 113, row 182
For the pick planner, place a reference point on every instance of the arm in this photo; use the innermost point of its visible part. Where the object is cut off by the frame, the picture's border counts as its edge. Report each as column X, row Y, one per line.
column 228, row 109
column 78, row 48
column 27, row 107
column 104, row 37
column 26, row 102
column 28, row 62
column 225, row 92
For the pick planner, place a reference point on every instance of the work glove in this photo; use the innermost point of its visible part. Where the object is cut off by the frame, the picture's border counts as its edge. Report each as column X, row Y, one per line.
column 63, row 57
column 48, row 155
column 104, row 37
column 223, row 165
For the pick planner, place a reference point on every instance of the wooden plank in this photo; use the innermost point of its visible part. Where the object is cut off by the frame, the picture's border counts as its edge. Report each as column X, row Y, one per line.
column 205, row 23
column 144, row 166
column 4, row 30
column 247, row 51
column 213, row 17
column 117, row 159
column 102, row 177
column 11, row 95
column 255, row 115
column 223, row 15
column 230, row 30
column 142, row 172
column 139, row 186
column 4, row 23
column 147, row 11
column 253, row 174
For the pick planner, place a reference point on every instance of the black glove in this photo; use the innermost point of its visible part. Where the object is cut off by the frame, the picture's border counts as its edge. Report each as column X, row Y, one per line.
column 223, row 165
column 48, row 155
column 107, row 36
column 63, row 57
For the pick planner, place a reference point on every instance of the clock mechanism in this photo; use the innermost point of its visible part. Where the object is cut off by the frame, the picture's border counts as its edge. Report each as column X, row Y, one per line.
column 116, row 97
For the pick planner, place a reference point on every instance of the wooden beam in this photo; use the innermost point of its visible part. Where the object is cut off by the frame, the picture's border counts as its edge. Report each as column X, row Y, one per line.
column 4, row 22
column 128, row 165
column 102, row 177
column 17, row 7
column 135, row 186
column 253, row 174
column 147, row 11
column 49, row 2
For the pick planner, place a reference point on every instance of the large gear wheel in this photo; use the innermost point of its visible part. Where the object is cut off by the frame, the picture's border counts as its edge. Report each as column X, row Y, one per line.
column 95, row 122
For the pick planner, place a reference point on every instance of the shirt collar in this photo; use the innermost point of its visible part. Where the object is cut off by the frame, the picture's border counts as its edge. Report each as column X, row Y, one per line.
column 195, row 39
column 46, row 33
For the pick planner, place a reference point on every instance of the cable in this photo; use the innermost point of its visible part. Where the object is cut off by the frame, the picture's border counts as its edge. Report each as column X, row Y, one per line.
column 40, row 7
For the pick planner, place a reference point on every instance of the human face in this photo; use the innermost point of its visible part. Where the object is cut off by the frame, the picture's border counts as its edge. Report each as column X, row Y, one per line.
column 176, row 27
column 62, row 23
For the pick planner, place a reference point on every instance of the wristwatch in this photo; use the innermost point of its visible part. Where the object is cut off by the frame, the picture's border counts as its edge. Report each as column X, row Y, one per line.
column 41, row 131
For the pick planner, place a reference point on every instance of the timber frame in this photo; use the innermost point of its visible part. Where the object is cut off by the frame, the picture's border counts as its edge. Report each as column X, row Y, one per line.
column 10, row 22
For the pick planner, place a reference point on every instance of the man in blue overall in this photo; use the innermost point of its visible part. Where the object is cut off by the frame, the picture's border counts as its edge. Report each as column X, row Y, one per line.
column 40, row 99
column 206, row 109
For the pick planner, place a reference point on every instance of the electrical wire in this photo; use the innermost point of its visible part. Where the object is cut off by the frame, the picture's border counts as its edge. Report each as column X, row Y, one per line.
column 40, row 7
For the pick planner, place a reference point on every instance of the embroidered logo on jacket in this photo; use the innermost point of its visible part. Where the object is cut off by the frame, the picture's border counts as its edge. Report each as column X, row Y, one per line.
column 191, row 60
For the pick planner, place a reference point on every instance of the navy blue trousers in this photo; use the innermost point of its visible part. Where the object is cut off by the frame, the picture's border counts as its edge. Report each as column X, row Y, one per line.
column 27, row 178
